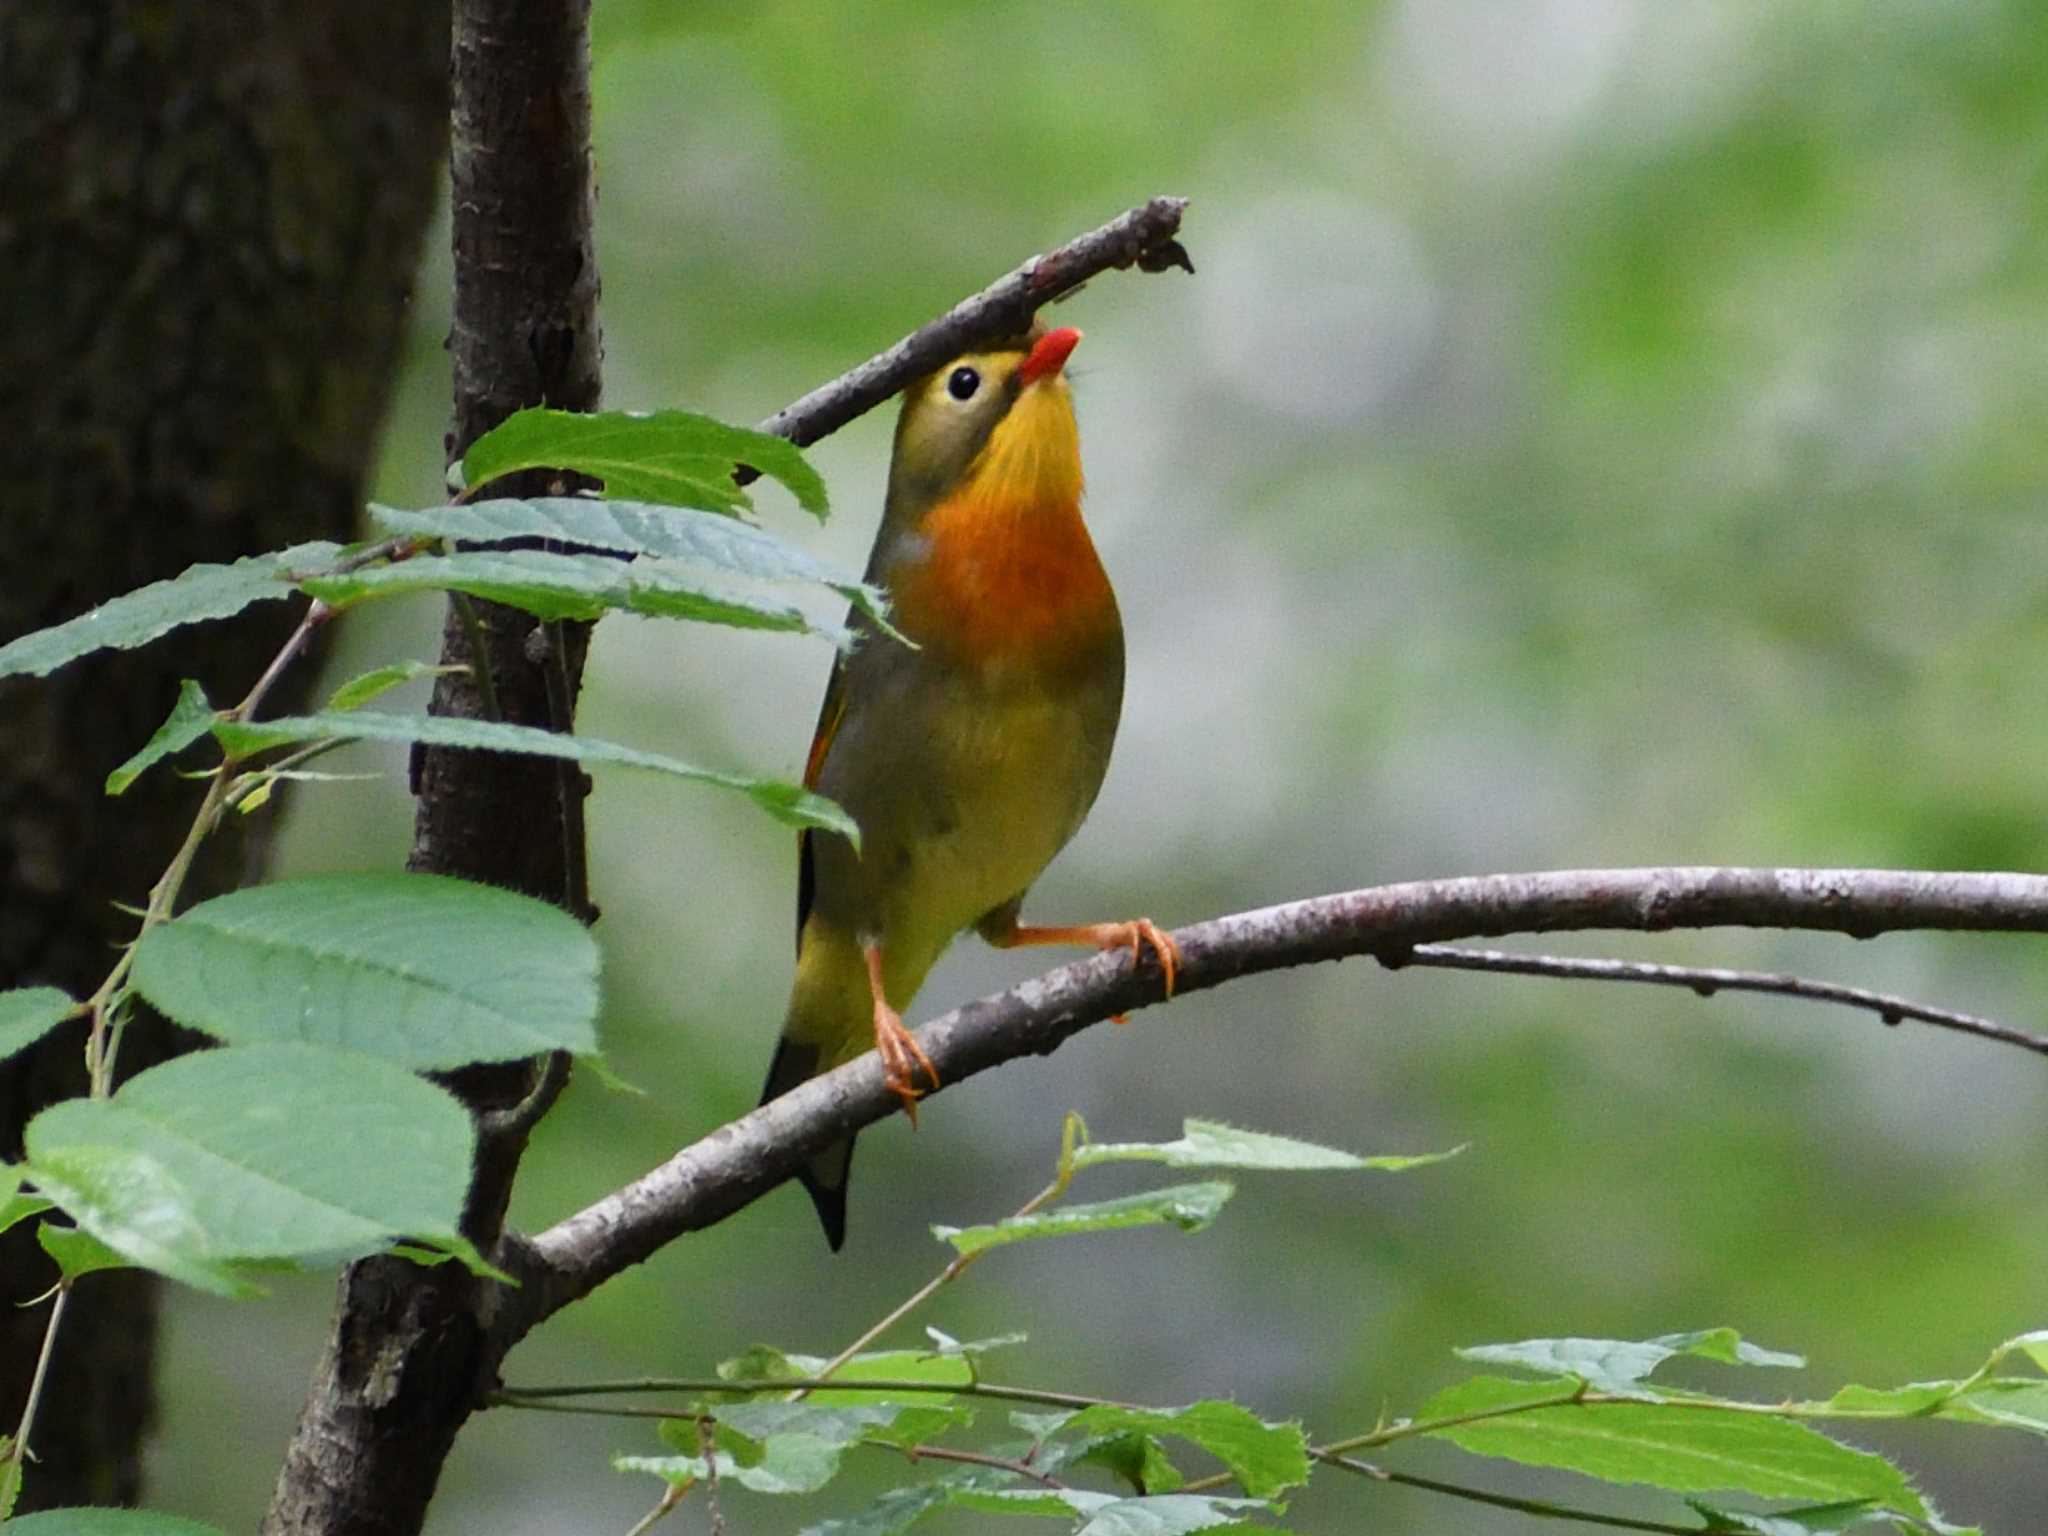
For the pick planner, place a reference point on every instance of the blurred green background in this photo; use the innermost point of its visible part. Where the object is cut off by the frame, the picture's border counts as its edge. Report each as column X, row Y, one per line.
column 1600, row 432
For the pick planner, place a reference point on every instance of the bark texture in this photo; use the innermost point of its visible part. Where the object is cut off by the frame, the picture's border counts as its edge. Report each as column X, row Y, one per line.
column 210, row 216
column 408, row 1356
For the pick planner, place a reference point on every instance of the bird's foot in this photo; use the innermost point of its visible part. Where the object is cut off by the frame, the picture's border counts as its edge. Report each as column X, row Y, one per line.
column 901, row 1057
column 1137, row 933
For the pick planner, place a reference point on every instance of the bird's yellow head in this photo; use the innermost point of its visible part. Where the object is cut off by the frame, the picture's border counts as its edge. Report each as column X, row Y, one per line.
column 996, row 426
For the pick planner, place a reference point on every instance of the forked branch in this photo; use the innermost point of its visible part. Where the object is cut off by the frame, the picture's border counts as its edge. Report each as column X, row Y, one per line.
column 739, row 1162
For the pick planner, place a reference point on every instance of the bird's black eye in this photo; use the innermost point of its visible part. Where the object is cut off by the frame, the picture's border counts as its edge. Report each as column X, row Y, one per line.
column 962, row 383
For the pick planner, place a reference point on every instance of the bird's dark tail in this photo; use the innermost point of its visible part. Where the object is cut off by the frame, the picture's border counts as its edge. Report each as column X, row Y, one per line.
column 824, row 1176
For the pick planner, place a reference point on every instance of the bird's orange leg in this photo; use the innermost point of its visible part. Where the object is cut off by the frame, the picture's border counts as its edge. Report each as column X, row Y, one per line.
column 897, row 1046
column 1138, row 933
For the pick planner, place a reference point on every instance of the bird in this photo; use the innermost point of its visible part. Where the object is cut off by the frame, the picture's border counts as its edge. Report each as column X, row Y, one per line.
column 971, row 755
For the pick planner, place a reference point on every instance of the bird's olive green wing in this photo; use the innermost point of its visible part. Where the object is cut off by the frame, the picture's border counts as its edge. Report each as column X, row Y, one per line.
column 829, row 716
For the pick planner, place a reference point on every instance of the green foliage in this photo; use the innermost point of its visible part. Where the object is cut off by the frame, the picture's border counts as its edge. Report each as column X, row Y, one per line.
column 1208, row 1144
column 289, row 1152
column 1617, row 1365
column 366, row 687
column 1190, row 1207
column 676, row 457
column 685, row 536
column 77, row 1252
column 1682, row 1445
column 420, row 970
column 29, row 1013
column 551, row 585
column 190, row 718
column 786, row 802
column 138, row 617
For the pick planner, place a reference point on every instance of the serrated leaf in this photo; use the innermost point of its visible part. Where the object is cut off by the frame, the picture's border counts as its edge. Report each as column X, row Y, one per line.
column 1210, row 1144
column 549, row 585
column 374, row 684
column 1191, row 1207
column 637, row 528
column 1619, row 1365
column 422, row 970
column 1814, row 1520
column 677, row 457
column 77, row 1252
column 136, row 618
column 788, row 1464
column 29, row 1013
column 263, row 1152
column 107, row 1522
column 1683, row 1448
column 787, row 803
column 191, row 717
column 1265, row 1459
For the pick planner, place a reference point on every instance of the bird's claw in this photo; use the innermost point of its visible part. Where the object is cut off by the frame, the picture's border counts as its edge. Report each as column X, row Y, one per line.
column 1142, row 931
column 901, row 1057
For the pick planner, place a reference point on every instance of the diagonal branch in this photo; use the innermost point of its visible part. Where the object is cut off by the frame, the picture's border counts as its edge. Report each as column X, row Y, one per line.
column 738, row 1163
column 1143, row 237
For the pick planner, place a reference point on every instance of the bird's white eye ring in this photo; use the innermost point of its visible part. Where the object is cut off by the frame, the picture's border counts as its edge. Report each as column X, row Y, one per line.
column 962, row 383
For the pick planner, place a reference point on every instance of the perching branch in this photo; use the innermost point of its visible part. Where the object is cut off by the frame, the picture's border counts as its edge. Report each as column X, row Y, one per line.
column 1706, row 980
column 1143, row 237
column 738, row 1163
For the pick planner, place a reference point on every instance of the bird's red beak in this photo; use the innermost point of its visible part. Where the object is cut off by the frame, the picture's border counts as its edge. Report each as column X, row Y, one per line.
column 1049, row 355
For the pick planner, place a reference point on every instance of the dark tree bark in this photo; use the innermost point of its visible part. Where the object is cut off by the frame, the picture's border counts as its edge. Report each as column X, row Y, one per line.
column 210, row 216
column 409, row 1355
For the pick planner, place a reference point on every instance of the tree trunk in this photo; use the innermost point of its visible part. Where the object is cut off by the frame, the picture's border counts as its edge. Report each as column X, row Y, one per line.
column 210, row 216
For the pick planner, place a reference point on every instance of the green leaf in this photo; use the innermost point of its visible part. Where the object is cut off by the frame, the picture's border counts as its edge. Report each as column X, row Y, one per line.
column 1170, row 1514
column 262, row 1152
column 680, row 534
column 191, row 717
column 29, row 1013
column 1265, row 1459
column 422, row 970
column 18, row 1206
column 1138, row 1460
column 942, row 1371
column 1209, row 1144
column 138, row 617
column 1618, row 1365
column 1681, row 1447
column 1174, row 1514
column 676, row 457
column 374, row 684
column 788, row 1464
column 106, row 1522
column 788, row 803
column 905, row 1421
column 1191, row 1207
column 77, row 1252
column 1813, row 1520
column 550, row 585
column 135, row 1206
column 890, row 1515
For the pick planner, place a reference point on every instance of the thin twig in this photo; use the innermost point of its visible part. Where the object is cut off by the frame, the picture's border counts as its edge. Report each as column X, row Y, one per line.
column 1143, row 237
column 544, row 1397
column 969, row 1458
column 727, row 1170
column 1539, row 1508
column 1706, row 980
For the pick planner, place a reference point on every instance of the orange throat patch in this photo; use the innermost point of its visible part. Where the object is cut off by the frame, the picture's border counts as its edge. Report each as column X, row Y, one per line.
column 1007, row 574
